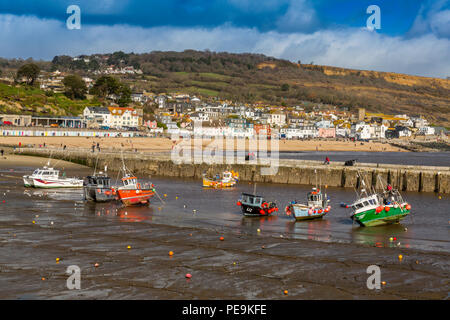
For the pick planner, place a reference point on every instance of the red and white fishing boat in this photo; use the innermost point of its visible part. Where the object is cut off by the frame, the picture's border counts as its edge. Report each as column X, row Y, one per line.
column 132, row 192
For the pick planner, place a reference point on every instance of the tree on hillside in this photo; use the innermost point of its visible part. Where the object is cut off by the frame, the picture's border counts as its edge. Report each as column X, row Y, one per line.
column 75, row 87
column 108, row 85
column 30, row 71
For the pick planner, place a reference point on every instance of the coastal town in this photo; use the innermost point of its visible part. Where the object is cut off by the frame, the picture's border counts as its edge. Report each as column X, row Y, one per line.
column 176, row 114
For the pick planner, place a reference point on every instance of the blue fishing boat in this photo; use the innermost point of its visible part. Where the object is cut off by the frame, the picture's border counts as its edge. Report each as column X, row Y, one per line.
column 315, row 207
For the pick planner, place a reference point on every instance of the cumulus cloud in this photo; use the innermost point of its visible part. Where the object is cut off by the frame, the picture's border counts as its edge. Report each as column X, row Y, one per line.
column 433, row 17
column 427, row 54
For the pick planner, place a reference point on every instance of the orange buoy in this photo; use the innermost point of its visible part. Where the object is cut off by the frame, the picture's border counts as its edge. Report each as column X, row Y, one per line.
column 96, row 265
column 400, row 257
column 238, row 203
column 188, row 275
column 170, row 253
column 387, row 208
column 408, row 207
column 221, row 238
column 285, row 292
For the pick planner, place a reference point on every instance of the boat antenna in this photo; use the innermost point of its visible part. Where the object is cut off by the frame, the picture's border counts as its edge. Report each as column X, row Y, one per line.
column 95, row 167
column 315, row 171
column 254, row 189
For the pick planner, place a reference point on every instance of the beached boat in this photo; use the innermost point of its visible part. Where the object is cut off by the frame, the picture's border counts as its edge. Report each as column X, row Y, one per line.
column 98, row 188
column 227, row 180
column 253, row 205
column 315, row 207
column 377, row 209
column 132, row 192
column 49, row 178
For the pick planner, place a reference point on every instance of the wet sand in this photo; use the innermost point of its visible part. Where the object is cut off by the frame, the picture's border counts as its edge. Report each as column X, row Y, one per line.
column 246, row 265
column 12, row 160
column 236, row 268
column 165, row 144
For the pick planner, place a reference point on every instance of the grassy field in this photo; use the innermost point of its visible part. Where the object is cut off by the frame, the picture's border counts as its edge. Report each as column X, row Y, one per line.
column 32, row 100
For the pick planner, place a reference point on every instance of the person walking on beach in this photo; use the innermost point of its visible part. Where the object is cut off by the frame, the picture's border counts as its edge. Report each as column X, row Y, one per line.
column 1, row 151
column 327, row 160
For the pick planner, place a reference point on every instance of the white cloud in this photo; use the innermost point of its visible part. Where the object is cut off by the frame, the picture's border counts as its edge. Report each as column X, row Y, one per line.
column 299, row 17
column 427, row 55
column 433, row 17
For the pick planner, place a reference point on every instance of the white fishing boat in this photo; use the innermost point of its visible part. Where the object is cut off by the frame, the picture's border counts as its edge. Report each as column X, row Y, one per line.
column 49, row 178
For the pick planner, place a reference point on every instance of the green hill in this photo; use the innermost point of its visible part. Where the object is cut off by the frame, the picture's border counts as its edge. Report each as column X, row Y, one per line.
column 249, row 78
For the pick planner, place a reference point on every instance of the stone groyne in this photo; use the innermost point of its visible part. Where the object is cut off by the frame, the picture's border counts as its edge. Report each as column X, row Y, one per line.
column 403, row 177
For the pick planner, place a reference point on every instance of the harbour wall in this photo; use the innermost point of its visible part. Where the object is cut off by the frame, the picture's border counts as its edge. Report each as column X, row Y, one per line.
column 402, row 177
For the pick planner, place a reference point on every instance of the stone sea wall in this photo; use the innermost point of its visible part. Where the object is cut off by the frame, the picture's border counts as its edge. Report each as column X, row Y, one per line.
column 405, row 178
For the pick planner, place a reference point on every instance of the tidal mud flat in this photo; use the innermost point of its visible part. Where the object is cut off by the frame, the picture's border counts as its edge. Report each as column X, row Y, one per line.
column 131, row 249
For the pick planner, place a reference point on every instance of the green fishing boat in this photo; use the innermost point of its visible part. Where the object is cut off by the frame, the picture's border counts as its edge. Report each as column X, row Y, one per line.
column 376, row 209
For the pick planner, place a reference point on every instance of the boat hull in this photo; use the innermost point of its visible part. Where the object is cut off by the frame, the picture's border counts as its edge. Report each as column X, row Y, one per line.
column 217, row 184
column 255, row 211
column 56, row 183
column 130, row 197
column 301, row 213
column 99, row 194
column 28, row 182
column 371, row 218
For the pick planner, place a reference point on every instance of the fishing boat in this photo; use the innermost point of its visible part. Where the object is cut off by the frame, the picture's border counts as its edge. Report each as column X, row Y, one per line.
column 48, row 177
column 315, row 207
column 132, row 192
column 227, row 180
column 98, row 188
column 374, row 209
column 256, row 206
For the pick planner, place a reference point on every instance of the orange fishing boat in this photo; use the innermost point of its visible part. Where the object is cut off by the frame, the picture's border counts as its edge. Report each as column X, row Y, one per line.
column 132, row 192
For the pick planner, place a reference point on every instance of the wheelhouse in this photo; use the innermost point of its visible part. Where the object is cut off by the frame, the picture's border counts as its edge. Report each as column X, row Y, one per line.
column 129, row 182
column 366, row 203
column 252, row 200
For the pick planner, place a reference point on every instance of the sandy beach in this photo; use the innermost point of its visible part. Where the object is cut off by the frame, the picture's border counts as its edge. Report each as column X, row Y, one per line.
column 11, row 160
column 165, row 144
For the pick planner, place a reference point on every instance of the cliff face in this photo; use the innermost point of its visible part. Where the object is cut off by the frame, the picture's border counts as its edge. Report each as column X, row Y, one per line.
column 402, row 79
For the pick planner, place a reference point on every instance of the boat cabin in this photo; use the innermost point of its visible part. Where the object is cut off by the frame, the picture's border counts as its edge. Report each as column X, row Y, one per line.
column 315, row 198
column 99, row 181
column 366, row 203
column 252, row 200
column 46, row 172
column 129, row 183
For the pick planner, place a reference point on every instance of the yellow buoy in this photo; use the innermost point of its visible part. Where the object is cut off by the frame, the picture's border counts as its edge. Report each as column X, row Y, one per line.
column 259, row 230
column 129, row 247
column 400, row 257
column 34, row 222
column 57, row 260
column 383, row 283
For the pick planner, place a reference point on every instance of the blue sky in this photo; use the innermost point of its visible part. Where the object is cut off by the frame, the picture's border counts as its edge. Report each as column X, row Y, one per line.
column 414, row 37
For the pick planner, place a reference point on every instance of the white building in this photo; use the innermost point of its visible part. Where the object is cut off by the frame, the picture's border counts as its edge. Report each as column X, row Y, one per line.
column 113, row 117
column 278, row 118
